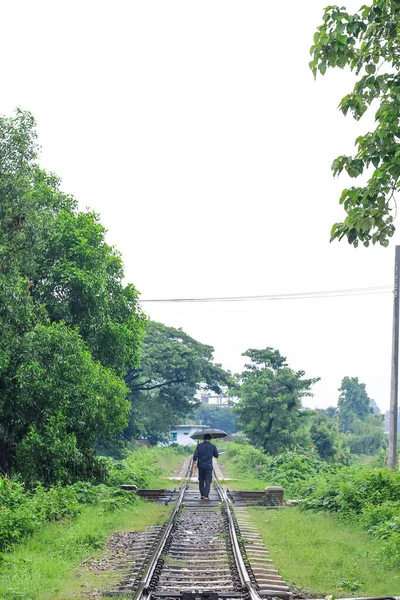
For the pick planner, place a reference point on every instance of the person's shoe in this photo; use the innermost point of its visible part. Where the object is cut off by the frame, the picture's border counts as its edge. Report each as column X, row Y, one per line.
column 206, row 498
column 203, row 498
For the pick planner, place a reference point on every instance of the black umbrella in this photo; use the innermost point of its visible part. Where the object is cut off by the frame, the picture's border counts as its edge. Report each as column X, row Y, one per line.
column 215, row 433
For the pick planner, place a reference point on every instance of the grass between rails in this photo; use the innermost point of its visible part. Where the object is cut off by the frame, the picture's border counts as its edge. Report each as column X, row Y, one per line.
column 46, row 566
column 316, row 553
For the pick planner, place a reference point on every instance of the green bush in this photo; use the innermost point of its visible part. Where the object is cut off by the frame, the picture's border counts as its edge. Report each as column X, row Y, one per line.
column 290, row 468
column 350, row 489
column 246, row 457
column 389, row 531
column 23, row 514
column 365, row 495
column 24, row 511
column 368, row 496
column 374, row 515
column 286, row 469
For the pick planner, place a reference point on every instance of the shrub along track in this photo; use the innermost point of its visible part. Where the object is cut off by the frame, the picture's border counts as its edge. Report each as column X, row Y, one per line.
column 202, row 551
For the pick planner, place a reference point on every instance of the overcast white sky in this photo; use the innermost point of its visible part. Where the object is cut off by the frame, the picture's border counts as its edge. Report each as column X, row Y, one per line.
column 197, row 131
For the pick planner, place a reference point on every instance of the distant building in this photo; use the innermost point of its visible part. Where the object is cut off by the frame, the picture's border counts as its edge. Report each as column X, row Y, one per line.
column 210, row 398
column 181, row 434
column 387, row 418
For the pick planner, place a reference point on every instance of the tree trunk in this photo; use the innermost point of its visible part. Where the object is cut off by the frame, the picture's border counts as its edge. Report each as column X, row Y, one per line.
column 6, row 457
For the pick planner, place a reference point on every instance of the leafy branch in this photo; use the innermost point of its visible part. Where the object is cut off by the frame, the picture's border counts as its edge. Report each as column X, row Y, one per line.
column 366, row 41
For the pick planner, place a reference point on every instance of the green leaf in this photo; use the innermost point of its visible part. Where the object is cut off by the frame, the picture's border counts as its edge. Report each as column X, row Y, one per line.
column 370, row 68
column 366, row 225
column 375, row 161
column 343, row 197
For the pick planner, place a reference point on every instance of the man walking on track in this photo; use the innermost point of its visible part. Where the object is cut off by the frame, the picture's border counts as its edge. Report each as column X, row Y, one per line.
column 202, row 460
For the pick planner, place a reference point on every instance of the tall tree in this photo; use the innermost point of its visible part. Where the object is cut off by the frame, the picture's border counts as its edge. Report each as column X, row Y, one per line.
column 62, row 403
column 354, row 403
column 173, row 367
column 323, row 436
column 270, row 400
column 56, row 269
column 368, row 42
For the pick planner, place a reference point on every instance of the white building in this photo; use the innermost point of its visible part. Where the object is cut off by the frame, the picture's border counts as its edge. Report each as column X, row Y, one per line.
column 212, row 398
column 181, row 434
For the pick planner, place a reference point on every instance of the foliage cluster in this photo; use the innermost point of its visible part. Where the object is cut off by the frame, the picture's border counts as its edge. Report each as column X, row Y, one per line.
column 270, row 400
column 368, row 43
column 173, row 367
column 246, row 457
column 23, row 511
column 365, row 495
column 286, row 469
column 218, row 417
column 70, row 327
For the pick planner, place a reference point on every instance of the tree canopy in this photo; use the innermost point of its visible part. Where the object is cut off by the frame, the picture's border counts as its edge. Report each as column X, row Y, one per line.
column 270, row 400
column 173, row 367
column 354, row 403
column 368, row 42
column 217, row 417
column 323, row 436
column 361, row 426
column 69, row 326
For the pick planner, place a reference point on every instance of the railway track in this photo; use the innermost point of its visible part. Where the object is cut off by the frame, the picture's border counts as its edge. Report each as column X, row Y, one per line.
column 204, row 551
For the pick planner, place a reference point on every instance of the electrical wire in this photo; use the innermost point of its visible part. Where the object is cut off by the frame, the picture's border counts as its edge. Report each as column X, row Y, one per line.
column 362, row 291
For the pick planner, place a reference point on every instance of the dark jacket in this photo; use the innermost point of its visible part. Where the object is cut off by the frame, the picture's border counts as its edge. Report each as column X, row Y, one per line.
column 204, row 455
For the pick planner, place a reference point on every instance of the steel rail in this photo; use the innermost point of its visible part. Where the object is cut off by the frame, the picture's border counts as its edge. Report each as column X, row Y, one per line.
column 143, row 592
column 243, row 572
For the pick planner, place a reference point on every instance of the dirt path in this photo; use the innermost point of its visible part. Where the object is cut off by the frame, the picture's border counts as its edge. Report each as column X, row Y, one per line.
column 181, row 470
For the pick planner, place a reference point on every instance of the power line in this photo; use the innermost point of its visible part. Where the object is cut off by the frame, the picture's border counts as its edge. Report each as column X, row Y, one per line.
column 363, row 291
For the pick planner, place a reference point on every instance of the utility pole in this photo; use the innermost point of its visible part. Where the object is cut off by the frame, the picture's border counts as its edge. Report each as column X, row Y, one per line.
column 395, row 366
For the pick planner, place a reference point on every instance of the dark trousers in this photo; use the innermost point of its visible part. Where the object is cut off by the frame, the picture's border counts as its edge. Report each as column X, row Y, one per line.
column 205, row 478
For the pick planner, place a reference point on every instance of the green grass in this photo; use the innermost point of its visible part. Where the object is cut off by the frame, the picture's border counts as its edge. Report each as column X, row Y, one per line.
column 316, row 553
column 46, row 566
column 163, row 483
column 365, row 459
column 168, row 460
column 240, row 480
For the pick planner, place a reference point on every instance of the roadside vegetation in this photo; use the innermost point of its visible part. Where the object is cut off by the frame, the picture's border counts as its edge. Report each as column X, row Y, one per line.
column 344, row 536
column 361, row 494
column 25, row 511
column 47, row 565
column 321, row 556
column 46, row 533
